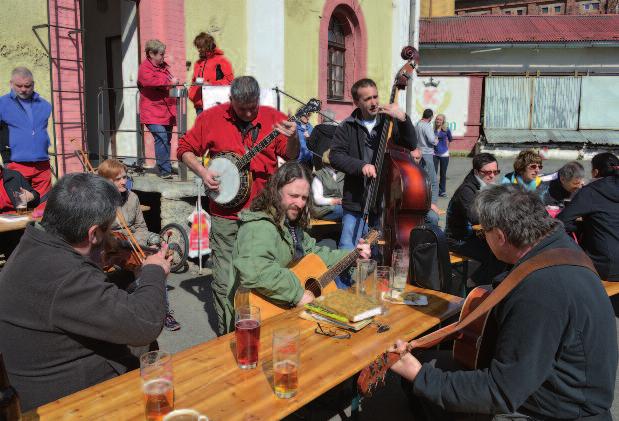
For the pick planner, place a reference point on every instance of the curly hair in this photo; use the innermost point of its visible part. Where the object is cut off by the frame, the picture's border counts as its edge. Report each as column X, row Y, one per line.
column 524, row 159
column 269, row 200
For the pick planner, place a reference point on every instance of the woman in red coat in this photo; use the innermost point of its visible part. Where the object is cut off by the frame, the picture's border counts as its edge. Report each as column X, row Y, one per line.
column 157, row 109
column 213, row 68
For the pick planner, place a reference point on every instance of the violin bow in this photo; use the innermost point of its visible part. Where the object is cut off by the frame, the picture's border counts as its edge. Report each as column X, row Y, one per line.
column 83, row 157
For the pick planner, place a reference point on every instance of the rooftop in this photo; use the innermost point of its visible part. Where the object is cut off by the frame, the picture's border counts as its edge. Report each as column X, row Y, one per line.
column 487, row 29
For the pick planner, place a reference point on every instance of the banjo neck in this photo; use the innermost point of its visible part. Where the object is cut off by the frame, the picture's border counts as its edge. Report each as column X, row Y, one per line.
column 255, row 150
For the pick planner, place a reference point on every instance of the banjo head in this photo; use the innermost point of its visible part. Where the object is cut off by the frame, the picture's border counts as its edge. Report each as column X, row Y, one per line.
column 229, row 179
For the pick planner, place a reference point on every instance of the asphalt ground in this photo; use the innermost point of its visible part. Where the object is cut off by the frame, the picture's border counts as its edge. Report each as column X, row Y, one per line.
column 191, row 299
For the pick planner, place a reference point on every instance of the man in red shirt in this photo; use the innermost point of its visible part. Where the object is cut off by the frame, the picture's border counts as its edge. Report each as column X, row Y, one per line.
column 235, row 127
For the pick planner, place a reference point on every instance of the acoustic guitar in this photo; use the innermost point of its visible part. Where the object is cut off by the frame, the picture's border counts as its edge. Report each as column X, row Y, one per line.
column 312, row 274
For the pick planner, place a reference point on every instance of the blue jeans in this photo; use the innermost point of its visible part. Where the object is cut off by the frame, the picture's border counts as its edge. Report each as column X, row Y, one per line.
column 442, row 162
column 429, row 160
column 335, row 214
column 163, row 138
column 353, row 229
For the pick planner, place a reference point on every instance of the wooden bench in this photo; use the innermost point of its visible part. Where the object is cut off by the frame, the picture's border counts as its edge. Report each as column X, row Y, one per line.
column 322, row 222
column 612, row 288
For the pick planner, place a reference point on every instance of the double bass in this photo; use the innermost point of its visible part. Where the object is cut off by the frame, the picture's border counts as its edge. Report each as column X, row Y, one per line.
column 400, row 194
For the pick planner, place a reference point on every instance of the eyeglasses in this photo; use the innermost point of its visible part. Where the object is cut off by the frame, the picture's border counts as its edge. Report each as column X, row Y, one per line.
column 535, row 166
column 489, row 172
column 332, row 333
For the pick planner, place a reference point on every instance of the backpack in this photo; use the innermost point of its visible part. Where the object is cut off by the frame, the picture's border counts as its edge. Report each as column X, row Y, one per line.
column 429, row 260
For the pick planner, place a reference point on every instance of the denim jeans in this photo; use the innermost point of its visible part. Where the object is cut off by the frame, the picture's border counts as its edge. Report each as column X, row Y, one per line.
column 442, row 162
column 429, row 160
column 335, row 214
column 163, row 137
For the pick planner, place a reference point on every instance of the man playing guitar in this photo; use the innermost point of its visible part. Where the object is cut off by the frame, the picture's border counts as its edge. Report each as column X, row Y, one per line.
column 272, row 235
column 235, row 127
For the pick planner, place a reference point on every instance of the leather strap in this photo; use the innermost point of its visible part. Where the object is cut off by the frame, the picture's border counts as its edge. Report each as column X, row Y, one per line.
column 554, row 257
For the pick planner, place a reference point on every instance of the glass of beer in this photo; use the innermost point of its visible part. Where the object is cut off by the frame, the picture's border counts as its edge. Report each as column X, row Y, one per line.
column 399, row 263
column 21, row 204
column 247, row 332
column 384, row 280
column 286, row 349
column 157, row 383
column 365, row 277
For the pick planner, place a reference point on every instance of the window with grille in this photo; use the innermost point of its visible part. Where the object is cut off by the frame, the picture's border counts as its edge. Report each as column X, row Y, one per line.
column 336, row 69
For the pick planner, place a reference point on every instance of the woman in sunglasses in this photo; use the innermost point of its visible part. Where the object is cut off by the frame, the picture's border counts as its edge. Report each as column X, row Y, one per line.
column 527, row 169
column 461, row 216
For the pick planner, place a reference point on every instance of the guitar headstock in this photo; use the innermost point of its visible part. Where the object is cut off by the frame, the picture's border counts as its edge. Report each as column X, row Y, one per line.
column 411, row 55
column 312, row 106
column 373, row 236
column 373, row 376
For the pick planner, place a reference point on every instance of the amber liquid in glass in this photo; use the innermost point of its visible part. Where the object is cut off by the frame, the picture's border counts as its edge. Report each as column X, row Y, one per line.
column 285, row 379
column 159, row 396
column 21, row 210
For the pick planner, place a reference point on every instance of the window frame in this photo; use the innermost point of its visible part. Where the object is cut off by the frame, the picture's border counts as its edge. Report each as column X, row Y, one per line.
column 339, row 48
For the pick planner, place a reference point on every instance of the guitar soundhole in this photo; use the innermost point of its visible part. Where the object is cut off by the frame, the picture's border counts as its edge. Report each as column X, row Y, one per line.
column 313, row 286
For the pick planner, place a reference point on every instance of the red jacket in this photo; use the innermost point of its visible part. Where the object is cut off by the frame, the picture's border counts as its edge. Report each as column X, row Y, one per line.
column 207, row 69
column 156, row 107
column 214, row 130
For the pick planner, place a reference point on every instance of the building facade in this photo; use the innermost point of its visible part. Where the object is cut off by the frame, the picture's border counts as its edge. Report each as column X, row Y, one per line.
column 536, row 7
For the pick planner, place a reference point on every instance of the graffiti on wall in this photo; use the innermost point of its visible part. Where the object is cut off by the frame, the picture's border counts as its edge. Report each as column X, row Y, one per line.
column 447, row 95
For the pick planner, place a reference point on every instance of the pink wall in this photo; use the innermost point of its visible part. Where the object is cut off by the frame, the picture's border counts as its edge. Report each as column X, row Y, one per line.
column 68, row 77
column 165, row 21
column 355, row 59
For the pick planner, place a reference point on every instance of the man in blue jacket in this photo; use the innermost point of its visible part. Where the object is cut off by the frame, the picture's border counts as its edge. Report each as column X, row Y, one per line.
column 23, row 119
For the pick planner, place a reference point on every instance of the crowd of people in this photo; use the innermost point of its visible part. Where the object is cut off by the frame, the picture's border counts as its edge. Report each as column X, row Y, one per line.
column 67, row 325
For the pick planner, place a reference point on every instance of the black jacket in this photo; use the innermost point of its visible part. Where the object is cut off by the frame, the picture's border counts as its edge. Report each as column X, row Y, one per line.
column 63, row 327
column 555, row 355
column 461, row 214
column 12, row 181
column 552, row 193
column 347, row 153
column 598, row 205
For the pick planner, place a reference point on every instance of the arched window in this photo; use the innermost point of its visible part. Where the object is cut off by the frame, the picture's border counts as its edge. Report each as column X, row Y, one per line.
column 336, row 59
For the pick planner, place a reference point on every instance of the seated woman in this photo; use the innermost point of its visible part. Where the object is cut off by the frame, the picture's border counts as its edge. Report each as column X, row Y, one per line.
column 327, row 190
column 527, row 168
column 597, row 204
column 116, row 172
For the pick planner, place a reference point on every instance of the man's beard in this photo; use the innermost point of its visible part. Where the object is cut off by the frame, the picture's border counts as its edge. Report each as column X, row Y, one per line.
column 297, row 216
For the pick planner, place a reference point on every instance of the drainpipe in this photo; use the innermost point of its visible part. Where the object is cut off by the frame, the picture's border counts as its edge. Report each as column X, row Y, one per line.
column 413, row 39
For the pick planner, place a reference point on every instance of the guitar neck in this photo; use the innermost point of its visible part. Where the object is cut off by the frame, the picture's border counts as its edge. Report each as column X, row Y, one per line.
column 244, row 161
column 336, row 269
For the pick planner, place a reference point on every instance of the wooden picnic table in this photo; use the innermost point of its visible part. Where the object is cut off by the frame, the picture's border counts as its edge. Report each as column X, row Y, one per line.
column 6, row 226
column 207, row 379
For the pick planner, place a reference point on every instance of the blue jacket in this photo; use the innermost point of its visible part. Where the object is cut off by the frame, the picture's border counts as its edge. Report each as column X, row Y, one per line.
column 444, row 137
column 305, row 155
column 28, row 140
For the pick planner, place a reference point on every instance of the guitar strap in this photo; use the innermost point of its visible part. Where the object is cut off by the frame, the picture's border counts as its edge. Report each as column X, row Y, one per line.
column 554, row 257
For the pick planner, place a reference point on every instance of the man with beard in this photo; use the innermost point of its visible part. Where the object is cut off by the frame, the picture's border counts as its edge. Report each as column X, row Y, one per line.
column 24, row 140
column 64, row 328
column 235, row 127
column 272, row 235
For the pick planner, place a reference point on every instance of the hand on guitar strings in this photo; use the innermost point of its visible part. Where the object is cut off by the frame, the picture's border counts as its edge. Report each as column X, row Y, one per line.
column 287, row 128
column 408, row 366
column 211, row 179
column 392, row 110
column 307, row 297
column 369, row 170
column 160, row 259
column 364, row 249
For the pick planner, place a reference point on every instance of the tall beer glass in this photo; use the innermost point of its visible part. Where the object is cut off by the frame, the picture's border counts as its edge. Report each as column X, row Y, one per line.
column 157, row 383
column 247, row 331
column 286, row 349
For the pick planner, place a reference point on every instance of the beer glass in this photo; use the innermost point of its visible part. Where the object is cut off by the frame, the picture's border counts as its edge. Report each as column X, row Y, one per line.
column 399, row 262
column 247, row 332
column 21, row 204
column 384, row 281
column 365, row 277
column 286, row 349
column 185, row 415
column 157, row 383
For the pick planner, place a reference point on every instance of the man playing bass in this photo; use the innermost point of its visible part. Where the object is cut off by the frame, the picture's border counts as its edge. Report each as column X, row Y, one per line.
column 354, row 152
column 235, row 127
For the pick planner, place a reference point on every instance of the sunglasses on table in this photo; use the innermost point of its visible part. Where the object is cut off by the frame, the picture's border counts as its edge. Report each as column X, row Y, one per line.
column 332, row 333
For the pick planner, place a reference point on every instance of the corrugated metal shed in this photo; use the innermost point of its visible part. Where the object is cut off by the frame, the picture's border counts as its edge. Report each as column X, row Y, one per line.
column 519, row 29
column 517, row 136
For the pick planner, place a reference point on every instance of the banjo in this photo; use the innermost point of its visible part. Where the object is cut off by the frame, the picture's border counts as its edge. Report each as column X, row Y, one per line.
column 234, row 175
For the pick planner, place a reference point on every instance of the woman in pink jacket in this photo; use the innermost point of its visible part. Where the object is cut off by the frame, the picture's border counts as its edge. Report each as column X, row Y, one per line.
column 157, row 109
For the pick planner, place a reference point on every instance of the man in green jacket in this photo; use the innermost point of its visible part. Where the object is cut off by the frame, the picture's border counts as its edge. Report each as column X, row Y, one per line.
column 272, row 235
